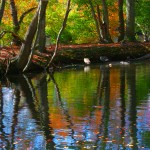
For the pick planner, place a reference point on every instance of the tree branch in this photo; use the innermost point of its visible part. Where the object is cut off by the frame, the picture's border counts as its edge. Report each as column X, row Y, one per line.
column 60, row 32
column 25, row 13
column 2, row 7
column 13, row 34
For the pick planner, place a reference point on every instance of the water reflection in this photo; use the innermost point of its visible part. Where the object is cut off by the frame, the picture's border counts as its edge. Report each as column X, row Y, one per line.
column 86, row 68
column 106, row 108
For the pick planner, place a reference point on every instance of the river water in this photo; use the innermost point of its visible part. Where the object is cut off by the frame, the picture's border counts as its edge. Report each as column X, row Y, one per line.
column 100, row 107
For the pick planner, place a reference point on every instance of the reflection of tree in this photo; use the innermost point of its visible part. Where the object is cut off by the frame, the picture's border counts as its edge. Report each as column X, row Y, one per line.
column 131, row 77
column 1, row 107
column 4, row 139
column 15, row 114
column 99, row 88
column 25, row 85
column 105, row 94
column 43, row 109
column 123, row 107
column 1, row 115
column 65, row 110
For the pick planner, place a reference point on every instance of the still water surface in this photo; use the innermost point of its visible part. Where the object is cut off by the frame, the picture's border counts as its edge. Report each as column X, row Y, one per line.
column 96, row 108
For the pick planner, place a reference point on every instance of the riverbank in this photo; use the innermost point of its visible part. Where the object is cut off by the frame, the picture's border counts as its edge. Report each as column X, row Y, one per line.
column 74, row 54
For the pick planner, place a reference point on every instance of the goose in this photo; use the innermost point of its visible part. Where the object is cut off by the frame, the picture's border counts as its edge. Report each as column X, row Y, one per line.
column 124, row 63
column 104, row 58
column 110, row 65
column 87, row 61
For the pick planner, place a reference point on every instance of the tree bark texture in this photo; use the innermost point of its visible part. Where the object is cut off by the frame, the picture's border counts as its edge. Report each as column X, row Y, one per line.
column 40, row 38
column 106, row 20
column 96, row 22
column 27, row 45
column 2, row 7
column 41, row 27
column 130, row 20
column 14, row 16
column 102, row 31
column 121, row 21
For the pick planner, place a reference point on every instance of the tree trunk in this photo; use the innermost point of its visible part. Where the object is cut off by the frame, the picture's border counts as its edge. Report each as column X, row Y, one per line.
column 14, row 16
column 24, row 58
column 121, row 20
column 2, row 7
column 41, row 27
column 16, row 25
column 40, row 38
column 130, row 20
column 96, row 22
column 102, row 31
column 106, row 21
column 16, row 21
column 27, row 45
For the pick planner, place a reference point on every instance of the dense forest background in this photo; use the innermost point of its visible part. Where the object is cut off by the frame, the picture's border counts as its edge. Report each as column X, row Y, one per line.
column 89, row 21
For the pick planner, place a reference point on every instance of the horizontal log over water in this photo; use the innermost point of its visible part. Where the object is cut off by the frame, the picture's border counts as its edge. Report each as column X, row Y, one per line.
column 75, row 54
column 115, row 52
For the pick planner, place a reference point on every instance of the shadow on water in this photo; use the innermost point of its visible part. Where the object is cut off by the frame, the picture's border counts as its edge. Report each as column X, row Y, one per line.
column 99, row 109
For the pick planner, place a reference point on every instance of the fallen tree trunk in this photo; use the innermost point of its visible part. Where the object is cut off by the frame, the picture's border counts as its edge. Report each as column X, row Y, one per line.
column 115, row 52
column 74, row 54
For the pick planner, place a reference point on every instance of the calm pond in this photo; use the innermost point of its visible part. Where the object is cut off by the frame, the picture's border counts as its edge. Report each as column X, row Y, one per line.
column 95, row 107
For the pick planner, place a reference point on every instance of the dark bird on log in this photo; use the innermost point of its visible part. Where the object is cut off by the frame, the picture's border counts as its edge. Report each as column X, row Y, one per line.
column 104, row 58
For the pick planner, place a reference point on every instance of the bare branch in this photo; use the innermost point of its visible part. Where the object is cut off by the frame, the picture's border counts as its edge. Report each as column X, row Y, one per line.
column 13, row 34
column 25, row 13
column 14, row 14
column 2, row 7
column 60, row 32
